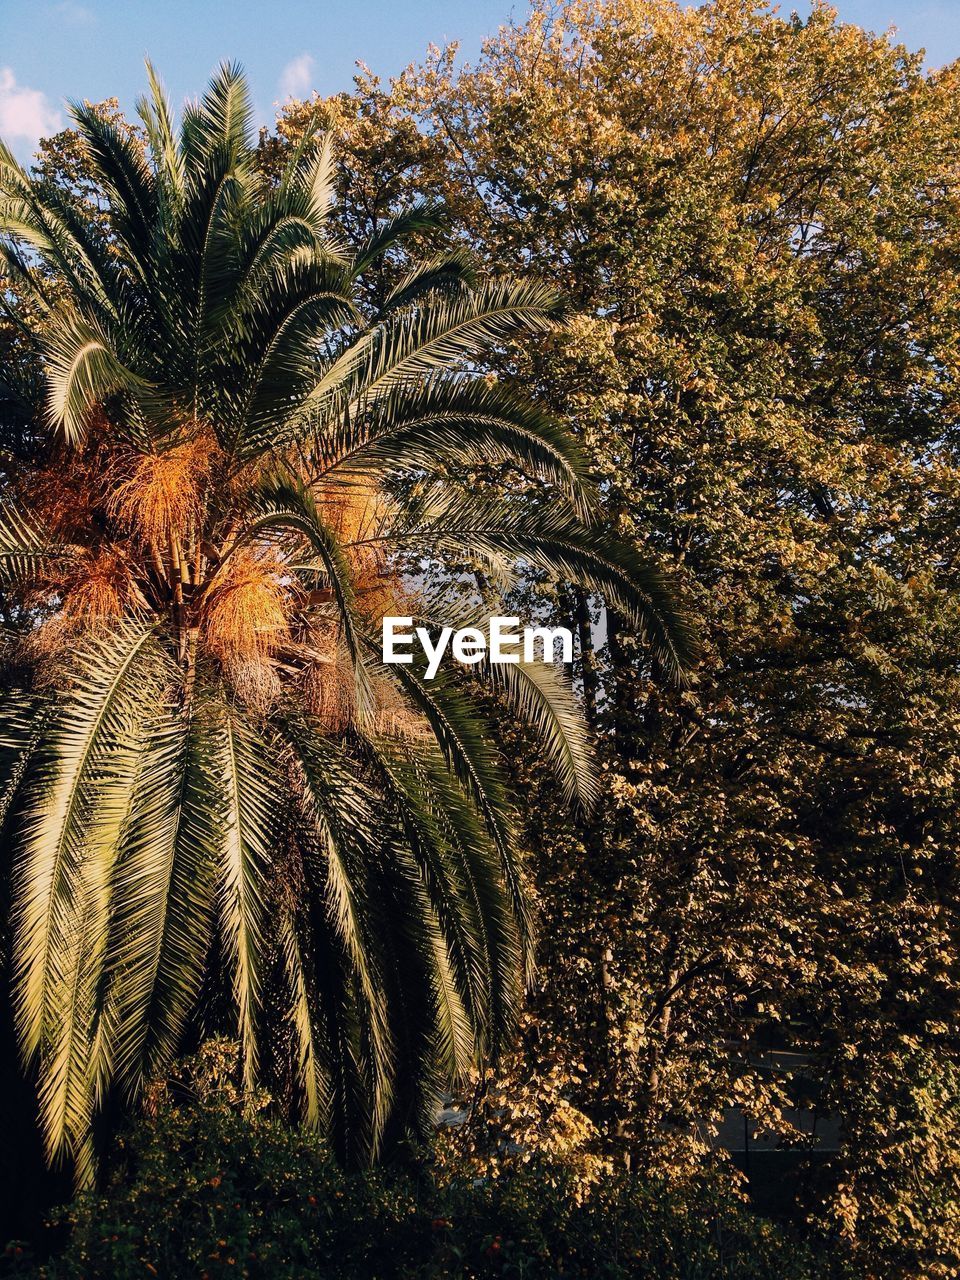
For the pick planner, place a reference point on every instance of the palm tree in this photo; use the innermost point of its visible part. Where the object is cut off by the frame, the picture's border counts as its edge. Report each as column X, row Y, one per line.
column 221, row 806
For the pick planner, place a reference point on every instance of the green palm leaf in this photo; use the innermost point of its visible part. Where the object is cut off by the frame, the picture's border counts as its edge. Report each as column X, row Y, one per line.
column 24, row 550
column 246, row 786
column 76, row 809
column 540, row 696
column 338, row 828
column 165, row 890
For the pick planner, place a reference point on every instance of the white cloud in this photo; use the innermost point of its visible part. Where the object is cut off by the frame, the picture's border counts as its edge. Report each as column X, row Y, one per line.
column 25, row 114
column 74, row 14
column 296, row 76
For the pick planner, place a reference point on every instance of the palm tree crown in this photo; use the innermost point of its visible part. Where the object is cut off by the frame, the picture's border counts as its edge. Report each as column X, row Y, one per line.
column 221, row 805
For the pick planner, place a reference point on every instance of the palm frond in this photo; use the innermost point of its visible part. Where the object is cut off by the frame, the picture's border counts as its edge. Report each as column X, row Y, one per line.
column 424, row 215
column 542, row 698
column 247, row 785
column 340, row 827
column 462, row 738
column 418, row 342
column 453, row 419
column 223, row 118
column 51, row 228
column 24, row 717
column 25, row 551
column 75, row 811
column 165, row 887
column 317, row 177
column 552, row 540
column 462, row 871
column 154, row 112
column 311, row 1054
column 444, row 272
column 83, row 371
column 124, row 175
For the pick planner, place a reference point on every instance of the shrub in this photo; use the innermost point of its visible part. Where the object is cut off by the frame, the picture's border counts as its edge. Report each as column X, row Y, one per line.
column 203, row 1188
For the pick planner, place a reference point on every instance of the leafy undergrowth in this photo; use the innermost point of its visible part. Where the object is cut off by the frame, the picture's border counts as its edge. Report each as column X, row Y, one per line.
column 202, row 1188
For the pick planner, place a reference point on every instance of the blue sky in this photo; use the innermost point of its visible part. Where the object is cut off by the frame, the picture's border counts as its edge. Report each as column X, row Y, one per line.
column 56, row 49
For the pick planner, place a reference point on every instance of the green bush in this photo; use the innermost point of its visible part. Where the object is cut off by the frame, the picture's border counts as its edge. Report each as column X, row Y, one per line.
column 203, row 1189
